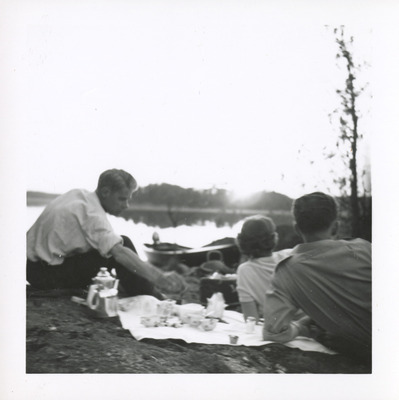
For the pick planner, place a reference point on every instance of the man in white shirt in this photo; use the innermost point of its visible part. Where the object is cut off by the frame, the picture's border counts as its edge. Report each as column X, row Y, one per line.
column 73, row 238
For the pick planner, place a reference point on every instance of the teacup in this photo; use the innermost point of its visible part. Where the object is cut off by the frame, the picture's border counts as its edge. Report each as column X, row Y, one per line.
column 233, row 339
column 194, row 320
column 208, row 324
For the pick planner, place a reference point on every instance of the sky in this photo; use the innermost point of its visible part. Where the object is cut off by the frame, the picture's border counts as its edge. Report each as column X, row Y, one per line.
column 197, row 94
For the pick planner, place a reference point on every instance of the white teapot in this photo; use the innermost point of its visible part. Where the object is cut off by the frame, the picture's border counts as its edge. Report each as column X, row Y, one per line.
column 103, row 294
column 104, row 279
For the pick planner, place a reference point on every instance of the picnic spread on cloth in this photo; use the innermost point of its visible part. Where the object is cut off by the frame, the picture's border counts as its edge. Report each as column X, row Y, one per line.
column 230, row 329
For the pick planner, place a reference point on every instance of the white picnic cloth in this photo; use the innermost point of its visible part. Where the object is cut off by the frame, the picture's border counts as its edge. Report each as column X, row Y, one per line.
column 132, row 308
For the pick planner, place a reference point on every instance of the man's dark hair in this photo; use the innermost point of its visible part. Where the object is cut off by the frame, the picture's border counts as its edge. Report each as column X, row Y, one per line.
column 257, row 236
column 314, row 212
column 116, row 179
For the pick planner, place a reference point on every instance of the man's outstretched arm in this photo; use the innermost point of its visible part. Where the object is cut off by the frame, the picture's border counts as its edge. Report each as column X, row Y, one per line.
column 169, row 281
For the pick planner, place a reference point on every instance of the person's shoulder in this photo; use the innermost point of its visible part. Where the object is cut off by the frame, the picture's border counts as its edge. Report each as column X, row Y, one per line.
column 353, row 240
column 80, row 202
column 244, row 266
column 80, row 192
column 358, row 242
column 280, row 255
column 285, row 262
column 74, row 193
column 249, row 268
column 82, row 196
column 362, row 241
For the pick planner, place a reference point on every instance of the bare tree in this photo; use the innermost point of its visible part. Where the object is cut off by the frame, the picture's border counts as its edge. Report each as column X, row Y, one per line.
column 348, row 114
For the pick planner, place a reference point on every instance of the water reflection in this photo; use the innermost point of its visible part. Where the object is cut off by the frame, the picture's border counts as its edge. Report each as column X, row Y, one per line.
column 174, row 219
column 166, row 219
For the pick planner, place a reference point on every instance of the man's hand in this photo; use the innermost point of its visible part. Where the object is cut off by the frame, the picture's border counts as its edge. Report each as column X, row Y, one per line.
column 302, row 326
column 171, row 282
column 307, row 327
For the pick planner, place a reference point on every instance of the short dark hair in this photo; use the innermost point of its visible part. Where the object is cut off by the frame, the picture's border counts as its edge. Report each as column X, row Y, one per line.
column 314, row 212
column 257, row 236
column 116, row 179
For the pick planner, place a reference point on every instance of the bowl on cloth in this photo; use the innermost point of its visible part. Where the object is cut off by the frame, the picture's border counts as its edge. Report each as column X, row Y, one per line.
column 208, row 324
column 194, row 320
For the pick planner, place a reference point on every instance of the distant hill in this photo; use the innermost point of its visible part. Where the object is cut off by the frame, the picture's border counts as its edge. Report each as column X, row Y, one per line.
column 266, row 200
column 175, row 196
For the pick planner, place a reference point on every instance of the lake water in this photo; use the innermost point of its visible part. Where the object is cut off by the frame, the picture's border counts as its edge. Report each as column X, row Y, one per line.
column 185, row 235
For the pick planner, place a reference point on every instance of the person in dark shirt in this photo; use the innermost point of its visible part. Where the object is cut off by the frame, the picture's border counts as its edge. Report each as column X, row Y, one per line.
column 329, row 279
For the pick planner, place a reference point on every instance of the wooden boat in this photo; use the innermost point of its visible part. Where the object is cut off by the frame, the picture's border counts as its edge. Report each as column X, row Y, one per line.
column 161, row 254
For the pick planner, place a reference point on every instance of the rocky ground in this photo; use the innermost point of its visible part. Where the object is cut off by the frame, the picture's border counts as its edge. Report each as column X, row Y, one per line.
column 63, row 337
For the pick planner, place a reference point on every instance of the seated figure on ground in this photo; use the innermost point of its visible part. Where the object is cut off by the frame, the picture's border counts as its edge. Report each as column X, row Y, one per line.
column 257, row 239
column 329, row 279
column 73, row 238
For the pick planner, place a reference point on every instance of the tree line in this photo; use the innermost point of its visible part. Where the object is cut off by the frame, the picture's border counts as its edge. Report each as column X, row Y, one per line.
column 168, row 195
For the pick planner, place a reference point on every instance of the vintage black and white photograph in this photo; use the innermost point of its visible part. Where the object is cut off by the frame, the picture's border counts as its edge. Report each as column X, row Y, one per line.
column 198, row 182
